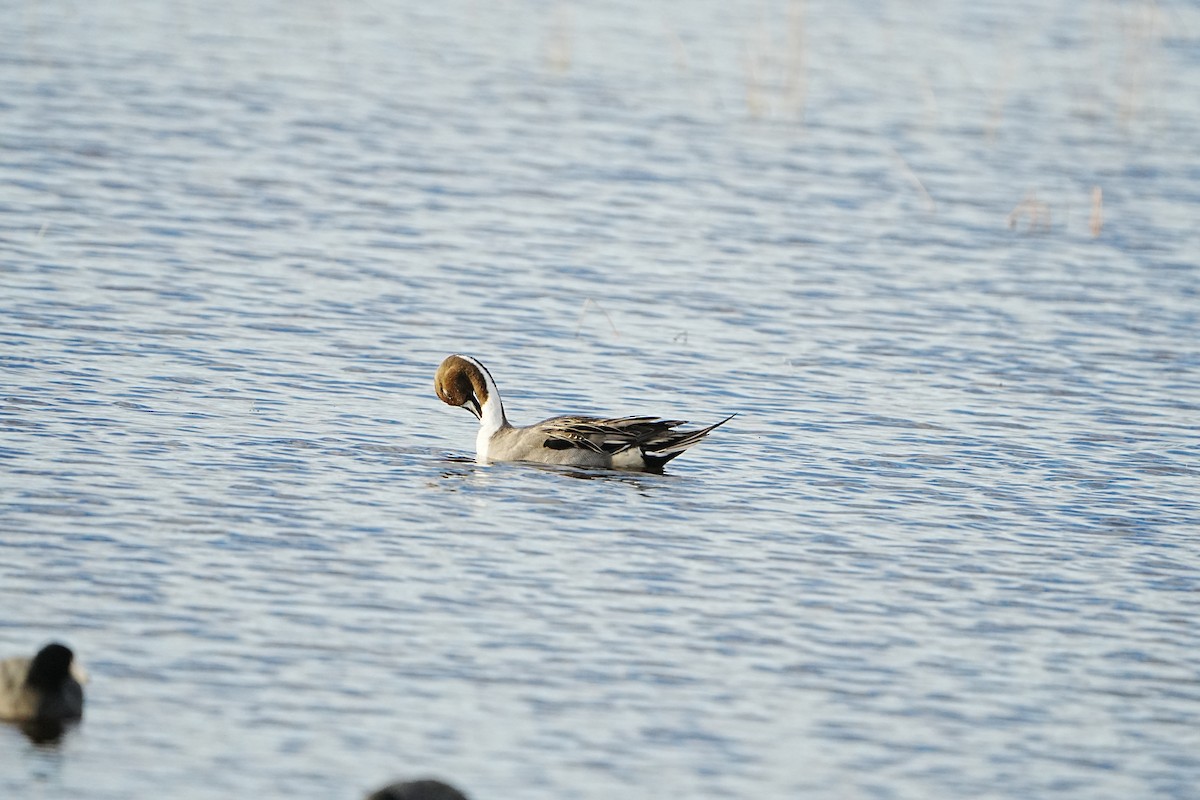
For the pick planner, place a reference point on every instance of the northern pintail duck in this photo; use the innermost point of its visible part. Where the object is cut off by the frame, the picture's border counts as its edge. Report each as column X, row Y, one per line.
column 635, row 443
column 45, row 688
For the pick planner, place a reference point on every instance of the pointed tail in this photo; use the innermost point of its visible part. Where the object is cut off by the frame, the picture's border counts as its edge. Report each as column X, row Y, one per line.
column 672, row 444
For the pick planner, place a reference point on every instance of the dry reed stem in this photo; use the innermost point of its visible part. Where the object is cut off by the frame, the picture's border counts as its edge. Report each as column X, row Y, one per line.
column 910, row 173
column 1143, row 34
column 933, row 110
column 756, row 102
column 583, row 313
column 679, row 51
column 558, row 41
column 1096, row 221
column 776, row 73
column 796, row 76
column 1037, row 212
column 999, row 100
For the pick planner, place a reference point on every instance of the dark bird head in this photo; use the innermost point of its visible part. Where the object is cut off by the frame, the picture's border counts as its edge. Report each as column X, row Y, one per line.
column 418, row 790
column 51, row 667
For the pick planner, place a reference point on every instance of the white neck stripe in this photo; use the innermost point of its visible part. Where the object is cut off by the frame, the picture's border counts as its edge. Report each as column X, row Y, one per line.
column 491, row 418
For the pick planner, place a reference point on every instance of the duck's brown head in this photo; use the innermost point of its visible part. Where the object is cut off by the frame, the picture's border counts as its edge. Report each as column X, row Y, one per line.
column 462, row 381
